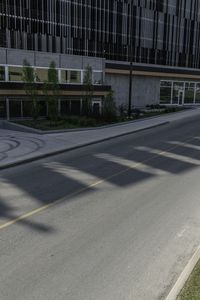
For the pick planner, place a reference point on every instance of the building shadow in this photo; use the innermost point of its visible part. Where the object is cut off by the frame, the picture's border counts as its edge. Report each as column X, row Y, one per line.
column 125, row 163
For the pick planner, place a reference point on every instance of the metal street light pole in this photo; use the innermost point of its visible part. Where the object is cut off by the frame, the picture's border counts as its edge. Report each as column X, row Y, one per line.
column 131, row 60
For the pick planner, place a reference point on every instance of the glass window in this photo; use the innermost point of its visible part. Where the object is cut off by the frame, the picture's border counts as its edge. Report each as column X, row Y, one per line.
column 178, row 93
column 2, row 73
column 74, row 77
column 27, row 108
column 41, row 75
column 42, row 108
column 197, row 100
column 15, row 108
column 65, row 107
column 97, row 77
column 15, row 73
column 96, row 109
column 189, row 92
column 165, row 92
column 75, row 107
column 2, row 108
column 68, row 76
column 64, row 76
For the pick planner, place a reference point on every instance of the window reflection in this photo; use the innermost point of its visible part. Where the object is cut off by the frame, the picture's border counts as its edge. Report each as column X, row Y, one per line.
column 165, row 92
column 97, row 77
column 189, row 92
column 2, row 73
column 2, row 108
column 41, row 75
column 71, row 76
column 74, row 76
column 178, row 93
column 197, row 98
column 181, row 92
column 15, row 74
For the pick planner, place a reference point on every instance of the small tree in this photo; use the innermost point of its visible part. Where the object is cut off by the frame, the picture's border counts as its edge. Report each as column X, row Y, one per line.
column 29, row 78
column 52, row 91
column 88, row 83
column 109, row 107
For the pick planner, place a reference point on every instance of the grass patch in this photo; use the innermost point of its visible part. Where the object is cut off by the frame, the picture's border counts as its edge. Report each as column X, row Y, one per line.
column 191, row 291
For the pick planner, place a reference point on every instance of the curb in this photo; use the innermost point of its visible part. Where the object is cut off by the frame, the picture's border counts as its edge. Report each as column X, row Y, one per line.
column 45, row 155
column 175, row 291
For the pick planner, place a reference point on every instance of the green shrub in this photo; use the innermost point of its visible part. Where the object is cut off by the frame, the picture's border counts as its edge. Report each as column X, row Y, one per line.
column 136, row 112
column 170, row 109
column 109, row 108
column 123, row 110
column 80, row 121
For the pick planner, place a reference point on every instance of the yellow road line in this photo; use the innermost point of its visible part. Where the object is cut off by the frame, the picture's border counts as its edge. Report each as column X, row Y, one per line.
column 47, row 206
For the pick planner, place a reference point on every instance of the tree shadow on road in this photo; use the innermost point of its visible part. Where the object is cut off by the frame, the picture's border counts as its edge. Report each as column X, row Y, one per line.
column 123, row 163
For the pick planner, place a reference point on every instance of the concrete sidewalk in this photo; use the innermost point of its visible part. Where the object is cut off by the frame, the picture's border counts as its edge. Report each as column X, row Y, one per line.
column 17, row 147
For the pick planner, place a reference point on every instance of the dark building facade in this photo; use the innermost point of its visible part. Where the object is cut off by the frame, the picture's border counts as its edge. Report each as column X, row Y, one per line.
column 161, row 37
column 163, row 32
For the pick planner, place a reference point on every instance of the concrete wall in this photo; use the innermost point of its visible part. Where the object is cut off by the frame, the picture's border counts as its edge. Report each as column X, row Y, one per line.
column 43, row 59
column 145, row 90
column 120, row 86
column 2, row 56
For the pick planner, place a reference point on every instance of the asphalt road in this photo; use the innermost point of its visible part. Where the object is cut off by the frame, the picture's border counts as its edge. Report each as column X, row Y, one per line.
column 117, row 220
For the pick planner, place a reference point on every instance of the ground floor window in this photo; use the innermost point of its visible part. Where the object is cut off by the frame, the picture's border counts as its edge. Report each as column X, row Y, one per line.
column 16, row 108
column 70, row 106
column 179, row 92
column 197, row 95
column 96, row 107
column 165, row 92
column 64, row 107
column 189, row 92
column 75, row 107
column 22, row 108
column 2, row 108
column 27, row 109
column 43, row 107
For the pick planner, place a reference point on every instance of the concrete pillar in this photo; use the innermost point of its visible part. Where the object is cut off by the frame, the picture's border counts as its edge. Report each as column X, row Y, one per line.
column 6, row 74
column 21, row 106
